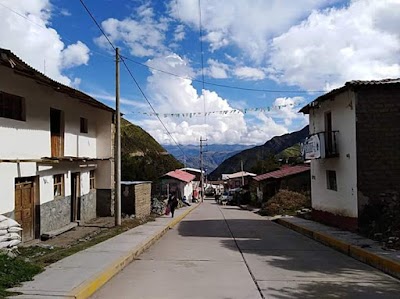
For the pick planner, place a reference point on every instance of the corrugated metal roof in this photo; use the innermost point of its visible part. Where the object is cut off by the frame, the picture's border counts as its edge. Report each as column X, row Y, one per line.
column 10, row 60
column 347, row 86
column 239, row 174
column 283, row 172
column 181, row 175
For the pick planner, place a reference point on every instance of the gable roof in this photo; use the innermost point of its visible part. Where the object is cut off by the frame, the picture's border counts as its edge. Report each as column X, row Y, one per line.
column 238, row 175
column 181, row 175
column 347, row 86
column 283, row 172
column 192, row 169
column 12, row 61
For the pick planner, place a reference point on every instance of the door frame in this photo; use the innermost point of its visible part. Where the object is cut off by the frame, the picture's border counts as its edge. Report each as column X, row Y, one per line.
column 35, row 202
column 53, row 147
column 75, row 196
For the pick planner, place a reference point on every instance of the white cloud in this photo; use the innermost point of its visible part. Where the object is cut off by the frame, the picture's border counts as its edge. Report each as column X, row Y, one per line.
column 141, row 33
column 179, row 33
column 176, row 95
column 246, row 24
column 36, row 42
column 216, row 69
column 65, row 12
column 332, row 46
column 249, row 73
column 287, row 110
column 124, row 101
column 75, row 54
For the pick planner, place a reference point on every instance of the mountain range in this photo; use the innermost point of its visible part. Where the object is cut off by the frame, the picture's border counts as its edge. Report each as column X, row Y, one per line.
column 251, row 156
column 214, row 154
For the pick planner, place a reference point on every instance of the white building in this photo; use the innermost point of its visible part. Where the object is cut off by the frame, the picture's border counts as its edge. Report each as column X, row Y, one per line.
column 354, row 136
column 179, row 182
column 55, row 153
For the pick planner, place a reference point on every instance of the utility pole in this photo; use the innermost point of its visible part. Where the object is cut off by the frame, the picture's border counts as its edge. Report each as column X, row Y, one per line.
column 241, row 163
column 202, row 168
column 117, row 160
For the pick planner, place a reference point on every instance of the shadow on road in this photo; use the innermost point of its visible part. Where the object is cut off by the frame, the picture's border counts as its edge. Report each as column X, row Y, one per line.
column 305, row 268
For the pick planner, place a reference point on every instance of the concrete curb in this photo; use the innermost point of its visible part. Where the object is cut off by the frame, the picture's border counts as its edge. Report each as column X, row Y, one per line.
column 89, row 287
column 386, row 265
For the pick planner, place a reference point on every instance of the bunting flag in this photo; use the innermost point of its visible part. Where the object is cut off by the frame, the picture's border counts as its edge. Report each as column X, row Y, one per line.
column 218, row 112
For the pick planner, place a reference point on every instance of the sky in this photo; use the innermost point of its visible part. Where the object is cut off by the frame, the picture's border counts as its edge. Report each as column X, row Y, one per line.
column 261, row 60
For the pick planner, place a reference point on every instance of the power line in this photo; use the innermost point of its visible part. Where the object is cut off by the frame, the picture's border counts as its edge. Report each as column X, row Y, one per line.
column 221, row 85
column 202, row 68
column 130, row 73
column 166, row 72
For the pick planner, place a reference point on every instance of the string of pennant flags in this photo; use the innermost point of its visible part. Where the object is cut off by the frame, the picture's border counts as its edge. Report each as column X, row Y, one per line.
column 218, row 112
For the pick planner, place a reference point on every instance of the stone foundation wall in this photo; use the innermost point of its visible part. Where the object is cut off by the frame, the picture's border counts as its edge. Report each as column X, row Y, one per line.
column 142, row 200
column 55, row 214
column 88, row 206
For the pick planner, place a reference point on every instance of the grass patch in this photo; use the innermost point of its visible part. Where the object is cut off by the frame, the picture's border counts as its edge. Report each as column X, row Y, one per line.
column 13, row 271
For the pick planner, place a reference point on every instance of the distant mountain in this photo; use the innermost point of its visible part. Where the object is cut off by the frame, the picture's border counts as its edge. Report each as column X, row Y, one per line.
column 142, row 157
column 276, row 145
column 214, row 154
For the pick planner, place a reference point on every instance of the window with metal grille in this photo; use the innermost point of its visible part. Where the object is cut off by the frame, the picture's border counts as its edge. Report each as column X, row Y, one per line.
column 58, row 185
column 92, row 180
column 12, row 106
column 331, row 180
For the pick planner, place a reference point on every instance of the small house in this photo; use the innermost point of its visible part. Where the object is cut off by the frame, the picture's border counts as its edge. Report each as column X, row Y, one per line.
column 354, row 150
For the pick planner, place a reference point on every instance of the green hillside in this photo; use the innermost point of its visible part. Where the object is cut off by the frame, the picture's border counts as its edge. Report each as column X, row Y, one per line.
column 262, row 158
column 143, row 158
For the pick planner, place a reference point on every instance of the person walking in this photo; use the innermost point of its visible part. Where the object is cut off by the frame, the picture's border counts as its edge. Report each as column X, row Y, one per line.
column 172, row 203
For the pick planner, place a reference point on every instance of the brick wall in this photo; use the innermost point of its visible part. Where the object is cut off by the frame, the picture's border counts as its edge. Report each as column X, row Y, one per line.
column 142, row 200
column 378, row 144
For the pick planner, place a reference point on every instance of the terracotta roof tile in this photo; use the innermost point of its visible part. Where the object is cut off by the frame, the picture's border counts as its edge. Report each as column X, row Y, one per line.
column 181, row 175
column 283, row 172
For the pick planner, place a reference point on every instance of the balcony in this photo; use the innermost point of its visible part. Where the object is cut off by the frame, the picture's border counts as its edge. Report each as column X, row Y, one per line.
column 321, row 145
column 331, row 150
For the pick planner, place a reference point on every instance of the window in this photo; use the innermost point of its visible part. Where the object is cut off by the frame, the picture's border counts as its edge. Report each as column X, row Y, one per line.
column 12, row 106
column 58, row 185
column 331, row 180
column 84, row 125
column 92, row 181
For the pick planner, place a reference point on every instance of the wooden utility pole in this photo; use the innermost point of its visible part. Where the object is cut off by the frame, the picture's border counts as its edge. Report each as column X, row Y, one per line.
column 241, row 163
column 117, row 154
column 202, row 168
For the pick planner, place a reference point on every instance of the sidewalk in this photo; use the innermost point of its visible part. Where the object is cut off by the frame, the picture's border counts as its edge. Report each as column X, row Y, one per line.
column 354, row 245
column 82, row 274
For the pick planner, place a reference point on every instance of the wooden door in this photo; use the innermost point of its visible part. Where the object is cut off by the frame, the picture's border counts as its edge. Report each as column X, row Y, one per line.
column 57, row 132
column 75, row 197
column 24, row 208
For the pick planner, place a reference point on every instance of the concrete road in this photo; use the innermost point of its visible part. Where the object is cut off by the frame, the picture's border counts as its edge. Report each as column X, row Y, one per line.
column 225, row 252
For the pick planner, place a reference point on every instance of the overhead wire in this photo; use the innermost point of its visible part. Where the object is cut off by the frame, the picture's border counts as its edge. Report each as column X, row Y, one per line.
column 203, row 81
column 222, row 85
column 132, row 76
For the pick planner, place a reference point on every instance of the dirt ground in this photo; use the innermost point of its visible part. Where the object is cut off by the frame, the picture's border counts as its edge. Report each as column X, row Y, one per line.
column 81, row 233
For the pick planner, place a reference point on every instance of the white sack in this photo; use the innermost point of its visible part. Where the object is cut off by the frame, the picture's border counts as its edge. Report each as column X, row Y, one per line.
column 14, row 229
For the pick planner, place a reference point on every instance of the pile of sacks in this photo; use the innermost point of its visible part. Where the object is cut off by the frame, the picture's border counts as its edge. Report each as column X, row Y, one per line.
column 158, row 206
column 9, row 233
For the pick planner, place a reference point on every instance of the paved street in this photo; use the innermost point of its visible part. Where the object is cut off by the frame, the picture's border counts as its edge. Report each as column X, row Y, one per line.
column 224, row 252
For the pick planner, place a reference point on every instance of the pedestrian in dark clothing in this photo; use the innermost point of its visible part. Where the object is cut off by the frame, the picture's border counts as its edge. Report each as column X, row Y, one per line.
column 173, row 203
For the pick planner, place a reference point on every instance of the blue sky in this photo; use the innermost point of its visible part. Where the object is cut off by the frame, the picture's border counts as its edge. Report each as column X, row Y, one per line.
column 294, row 47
